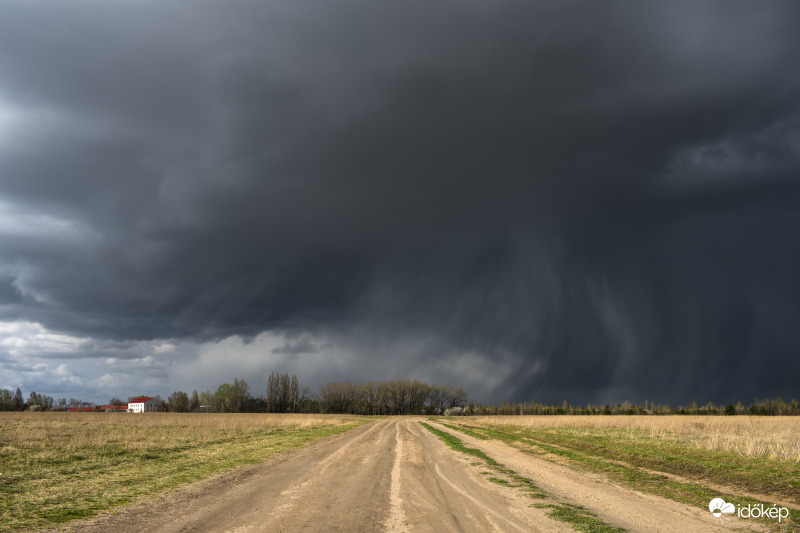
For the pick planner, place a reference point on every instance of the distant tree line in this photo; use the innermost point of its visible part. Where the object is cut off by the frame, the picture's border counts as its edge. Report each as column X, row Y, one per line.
column 398, row 397
column 768, row 407
column 15, row 401
column 283, row 394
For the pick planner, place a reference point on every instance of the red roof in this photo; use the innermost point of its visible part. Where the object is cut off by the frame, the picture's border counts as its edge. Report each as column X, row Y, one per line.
column 81, row 409
column 140, row 400
column 114, row 407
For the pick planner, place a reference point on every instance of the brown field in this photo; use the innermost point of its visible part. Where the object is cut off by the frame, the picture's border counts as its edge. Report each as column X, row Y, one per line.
column 76, row 430
column 99, row 472
column 776, row 438
column 56, row 467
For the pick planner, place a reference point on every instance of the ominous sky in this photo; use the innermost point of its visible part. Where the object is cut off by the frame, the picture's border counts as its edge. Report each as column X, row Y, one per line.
column 590, row 201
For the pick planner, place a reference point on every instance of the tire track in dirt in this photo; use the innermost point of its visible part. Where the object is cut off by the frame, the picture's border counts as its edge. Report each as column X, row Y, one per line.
column 397, row 518
column 292, row 495
column 613, row 504
column 443, row 491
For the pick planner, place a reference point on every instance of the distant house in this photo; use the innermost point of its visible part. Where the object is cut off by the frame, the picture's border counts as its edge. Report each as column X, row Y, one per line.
column 144, row 405
column 114, row 409
column 82, row 409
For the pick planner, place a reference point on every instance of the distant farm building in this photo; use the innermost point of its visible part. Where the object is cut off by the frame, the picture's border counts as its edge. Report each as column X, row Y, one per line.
column 144, row 405
column 114, row 409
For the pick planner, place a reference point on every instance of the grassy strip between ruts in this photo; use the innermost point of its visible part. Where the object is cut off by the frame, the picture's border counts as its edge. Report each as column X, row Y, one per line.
column 639, row 463
column 53, row 471
column 465, row 430
column 579, row 518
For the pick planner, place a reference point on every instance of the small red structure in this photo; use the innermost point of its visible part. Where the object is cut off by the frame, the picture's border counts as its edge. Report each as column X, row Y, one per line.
column 114, row 408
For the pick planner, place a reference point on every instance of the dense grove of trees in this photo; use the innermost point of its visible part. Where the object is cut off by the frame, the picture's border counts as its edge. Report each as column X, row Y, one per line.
column 285, row 394
column 14, row 401
column 399, row 397
column 11, row 402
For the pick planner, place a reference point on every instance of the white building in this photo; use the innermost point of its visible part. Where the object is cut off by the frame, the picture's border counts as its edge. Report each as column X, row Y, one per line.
column 144, row 405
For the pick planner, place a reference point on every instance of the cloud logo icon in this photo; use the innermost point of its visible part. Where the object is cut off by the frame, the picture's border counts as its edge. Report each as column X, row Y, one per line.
column 718, row 507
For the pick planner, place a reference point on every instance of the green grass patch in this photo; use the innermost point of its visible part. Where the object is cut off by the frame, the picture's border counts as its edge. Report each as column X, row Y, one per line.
column 527, row 486
column 455, row 443
column 580, row 519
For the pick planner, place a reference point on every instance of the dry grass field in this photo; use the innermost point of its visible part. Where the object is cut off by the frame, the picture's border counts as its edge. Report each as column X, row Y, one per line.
column 456, row 474
column 776, row 438
column 60, row 466
column 56, row 467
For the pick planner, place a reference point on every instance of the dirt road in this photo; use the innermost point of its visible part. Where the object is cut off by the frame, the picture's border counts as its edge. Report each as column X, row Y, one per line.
column 393, row 475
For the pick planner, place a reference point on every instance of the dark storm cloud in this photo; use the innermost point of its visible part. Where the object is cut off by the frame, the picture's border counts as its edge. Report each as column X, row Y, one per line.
column 8, row 293
column 298, row 347
column 600, row 199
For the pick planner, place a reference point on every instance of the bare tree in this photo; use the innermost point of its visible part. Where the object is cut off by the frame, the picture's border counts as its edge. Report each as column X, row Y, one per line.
column 294, row 394
column 194, row 403
column 178, row 402
column 338, row 397
column 456, row 397
column 284, row 393
column 273, row 392
column 238, row 395
column 17, row 402
column 371, row 398
column 437, row 399
column 417, row 394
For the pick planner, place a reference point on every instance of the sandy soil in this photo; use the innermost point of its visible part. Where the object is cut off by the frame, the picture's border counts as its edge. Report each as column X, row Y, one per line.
column 391, row 475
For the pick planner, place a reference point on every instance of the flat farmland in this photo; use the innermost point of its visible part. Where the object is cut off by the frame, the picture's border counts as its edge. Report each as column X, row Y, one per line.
column 246, row 473
column 56, row 467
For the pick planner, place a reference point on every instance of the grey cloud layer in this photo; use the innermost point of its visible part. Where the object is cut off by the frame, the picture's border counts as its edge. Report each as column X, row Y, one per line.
column 601, row 198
